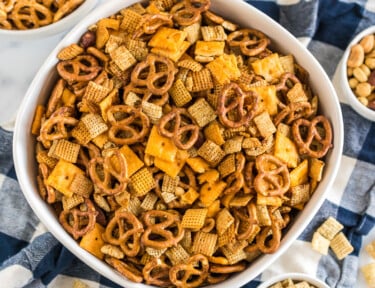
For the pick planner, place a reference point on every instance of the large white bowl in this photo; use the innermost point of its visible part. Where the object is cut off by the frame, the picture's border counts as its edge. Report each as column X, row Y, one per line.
column 350, row 96
column 239, row 12
column 52, row 29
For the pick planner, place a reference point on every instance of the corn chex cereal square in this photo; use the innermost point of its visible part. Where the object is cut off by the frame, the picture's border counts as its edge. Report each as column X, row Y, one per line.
column 204, row 243
column 194, row 219
column 177, row 254
column 341, row 246
column 123, row 58
column 211, row 152
column 64, row 149
column 320, row 243
column 142, row 182
column 202, row 112
column 330, row 228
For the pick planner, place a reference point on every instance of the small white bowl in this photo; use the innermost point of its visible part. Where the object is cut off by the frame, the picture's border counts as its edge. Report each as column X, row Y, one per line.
column 239, row 12
column 60, row 26
column 347, row 91
column 296, row 277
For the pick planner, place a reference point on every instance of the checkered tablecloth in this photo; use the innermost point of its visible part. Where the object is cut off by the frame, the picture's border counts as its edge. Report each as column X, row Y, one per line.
column 32, row 257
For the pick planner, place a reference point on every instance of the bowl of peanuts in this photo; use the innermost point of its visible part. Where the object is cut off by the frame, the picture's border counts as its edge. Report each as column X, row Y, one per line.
column 178, row 143
column 29, row 19
column 290, row 280
column 358, row 73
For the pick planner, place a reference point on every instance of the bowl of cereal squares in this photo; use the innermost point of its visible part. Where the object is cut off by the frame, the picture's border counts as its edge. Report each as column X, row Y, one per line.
column 357, row 73
column 31, row 19
column 178, row 143
column 291, row 280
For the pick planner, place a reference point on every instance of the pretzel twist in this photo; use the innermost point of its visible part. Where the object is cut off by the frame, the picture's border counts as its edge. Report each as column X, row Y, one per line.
column 82, row 68
column 77, row 222
column 166, row 220
column 56, row 127
column 189, row 12
column 151, row 23
column 179, row 130
column 243, row 104
column 146, row 95
column 125, row 230
column 111, row 180
column 247, row 219
column 306, row 146
column 194, row 272
column 131, row 128
column 287, row 76
column 251, row 42
column 273, row 176
column 126, row 269
column 292, row 112
column 263, row 241
column 157, row 81
column 30, row 15
column 156, row 272
column 236, row 181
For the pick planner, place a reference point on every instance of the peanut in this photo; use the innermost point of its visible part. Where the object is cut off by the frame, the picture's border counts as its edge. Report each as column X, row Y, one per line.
column 349, row 72
column 365, row 69
column 371, row 78
column 367, row 43
column 370, row 62
column 363, row 100
column 360, row 75
column 356, row 57
column 371, row 54
column 363, row 89
column 353, row 82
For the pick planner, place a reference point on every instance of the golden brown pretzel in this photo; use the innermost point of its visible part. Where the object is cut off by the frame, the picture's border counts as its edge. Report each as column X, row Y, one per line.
column 185, row 15
column 282, row 85
column 131, row 128
column 146, row 95
column 165, row 220
column 55, row 127
column 273, row 176
column 236, row 181
column 263, row 241
column 292, row 112
column 192, row 274
column 125, row 230
column 28, row 14
column 78, row 222
column 306, row 144
column 156, row 272
column 108, row 178
column 151, row 23
column 82, row 68
column 245, row 221
column 126, row 269
column 243, row 104
column 179, row 130
column 251, row 42
column 155, row 74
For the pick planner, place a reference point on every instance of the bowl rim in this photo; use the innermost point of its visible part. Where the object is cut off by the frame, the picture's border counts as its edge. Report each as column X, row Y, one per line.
column 294, row 276
column 42, row 210
column 348, row 93
column 63, row 24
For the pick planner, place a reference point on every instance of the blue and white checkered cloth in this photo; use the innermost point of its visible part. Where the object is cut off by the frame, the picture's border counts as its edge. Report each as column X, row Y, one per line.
column 31, row 257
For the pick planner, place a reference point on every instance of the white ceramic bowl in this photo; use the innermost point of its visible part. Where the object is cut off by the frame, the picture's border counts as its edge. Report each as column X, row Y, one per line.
column 237, row 11
column 296, row 277
column 53, row 29
column 350, row 96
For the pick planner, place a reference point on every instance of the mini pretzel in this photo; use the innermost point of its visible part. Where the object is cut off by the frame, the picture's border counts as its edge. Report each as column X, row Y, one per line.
column 198, row 5
column 235, row 181
column 78, row 222
column 179, row 129
column 271, row 181
column 282, row 85
column 185, row 15
column 50, row 196
column 251, row 42
column 227, row 269
column 249, row 218
column 55, row 127
column 82, row 68
column 166, row 220
column 30, row 14
column 146, row 95
column 292, row 112
column 249, row 177
column 156, row 272
column 151, row 23
column 192, row 274
column 126, row 269
column 155, row 74
column 243, row 104
column 86, row 153
column 109, row 180
column 263, row 242
column 125, row 230
column 132, row 128
column 306, row 146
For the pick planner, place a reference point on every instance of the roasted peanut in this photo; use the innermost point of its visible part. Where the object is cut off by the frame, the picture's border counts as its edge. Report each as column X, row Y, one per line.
column 363, row 100
column 365, row 69
column 370, row 62
column 349, row 71
column 356, row 57
column 353, row 82
column 371, row 78
column 367, row 43
column 363, row 89
column 360, row 75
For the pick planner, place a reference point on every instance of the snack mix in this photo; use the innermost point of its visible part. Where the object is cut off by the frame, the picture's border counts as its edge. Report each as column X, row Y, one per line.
column 361, row 70
column 177, row 146
column 32, row 14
